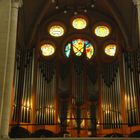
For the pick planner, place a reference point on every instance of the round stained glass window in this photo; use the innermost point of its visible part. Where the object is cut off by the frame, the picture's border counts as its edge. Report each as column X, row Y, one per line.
column 110, row 49
column 102, row 31
column 79, row 23
column 47, row 49
column 56, row 30
column 79, row 46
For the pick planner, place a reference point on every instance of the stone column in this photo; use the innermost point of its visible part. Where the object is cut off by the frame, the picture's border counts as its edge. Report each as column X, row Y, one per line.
column 4, row 34
column 9, row 67
column 137, row 3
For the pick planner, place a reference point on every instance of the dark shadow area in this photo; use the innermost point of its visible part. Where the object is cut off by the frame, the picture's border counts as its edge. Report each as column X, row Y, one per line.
column 135, row 134
column 42, row 133
column 19, row 132
column 114, row 135
column 63, row 134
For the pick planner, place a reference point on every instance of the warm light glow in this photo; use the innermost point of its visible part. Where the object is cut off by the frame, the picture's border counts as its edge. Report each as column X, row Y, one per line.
column 110, row 49
column 102, row 31
column 79, row 23
column 58, row 120
column 89, row 50
column 27, row 104
column 107, row 111
column 83, row 124
column 47, row 49
column 98, row 124
column 78, row 46
column 56, row 30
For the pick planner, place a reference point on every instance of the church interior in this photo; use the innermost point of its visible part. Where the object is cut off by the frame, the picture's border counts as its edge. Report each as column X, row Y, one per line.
column 76, row 70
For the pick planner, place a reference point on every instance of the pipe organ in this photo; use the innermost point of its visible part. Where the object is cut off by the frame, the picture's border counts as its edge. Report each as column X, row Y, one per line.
column 67, row 95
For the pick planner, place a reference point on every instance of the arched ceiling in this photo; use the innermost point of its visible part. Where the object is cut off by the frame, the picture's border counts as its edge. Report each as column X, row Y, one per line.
column 35, row 11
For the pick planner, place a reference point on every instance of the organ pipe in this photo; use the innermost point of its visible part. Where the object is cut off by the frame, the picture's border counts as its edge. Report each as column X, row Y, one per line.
column 23, row 85
column 132, row 84
column 45, row 101
column 111, row 96
column 78, row 94
column 77, row 91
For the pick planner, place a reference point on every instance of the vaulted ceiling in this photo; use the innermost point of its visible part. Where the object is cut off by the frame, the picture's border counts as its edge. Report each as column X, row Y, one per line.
column 34, row 12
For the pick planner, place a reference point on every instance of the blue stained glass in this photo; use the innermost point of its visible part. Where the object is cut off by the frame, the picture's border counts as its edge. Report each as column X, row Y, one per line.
column 67, row 50
column 86, row 42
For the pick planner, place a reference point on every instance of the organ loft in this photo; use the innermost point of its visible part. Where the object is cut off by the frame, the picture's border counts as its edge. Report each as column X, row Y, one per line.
column 72, row 69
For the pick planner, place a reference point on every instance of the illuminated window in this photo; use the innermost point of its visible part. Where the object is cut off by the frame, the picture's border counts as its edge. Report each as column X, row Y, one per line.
column 56, row 30
column 102, row 31
column 47, row 49
column 78, row 46
column 79, row 23
column 89, row 50
column 67, row 50
column 110, row 49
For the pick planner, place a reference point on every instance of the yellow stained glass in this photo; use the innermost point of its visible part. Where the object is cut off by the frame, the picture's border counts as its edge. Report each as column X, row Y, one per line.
column 47, row 49
column 102, row 31
column 110, row 49
column 89, row 50
column 56, row 30
column 78, row 46
column 79, row 23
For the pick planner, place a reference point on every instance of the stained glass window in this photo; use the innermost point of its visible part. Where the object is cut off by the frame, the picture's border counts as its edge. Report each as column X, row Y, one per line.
column 78, row 46
column 89, row 50
column 79, row 23
column 47, row 49
column 110, row 49
column 102, row 31
column 67, row 50
column 56, row 30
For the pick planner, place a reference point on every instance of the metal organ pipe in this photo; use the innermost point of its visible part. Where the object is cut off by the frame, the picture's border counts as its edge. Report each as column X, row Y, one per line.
column 119, row 100
column 130, row 66
column 46, row 93
column 23, row 86
column 111, row 108
column 125, row 84
column 137, row 85
column 16, row 80
column 111, row 96
column 112, row 99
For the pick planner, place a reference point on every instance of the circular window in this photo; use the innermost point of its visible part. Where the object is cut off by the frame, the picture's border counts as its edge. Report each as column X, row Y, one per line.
column 102, row 30
column 79, row 23
column 110, row 49
column 56, row 30
column 79, row 46
column 47, row 49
